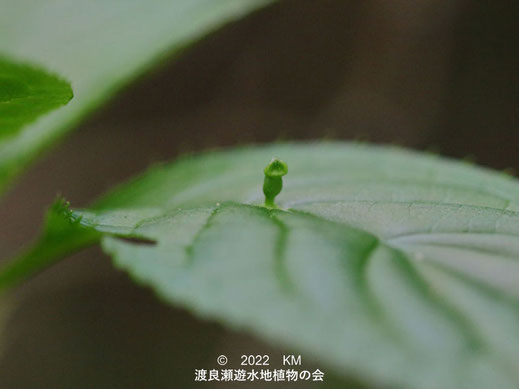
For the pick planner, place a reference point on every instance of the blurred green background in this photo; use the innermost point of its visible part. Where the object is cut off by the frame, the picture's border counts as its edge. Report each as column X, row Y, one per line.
column 427, row 73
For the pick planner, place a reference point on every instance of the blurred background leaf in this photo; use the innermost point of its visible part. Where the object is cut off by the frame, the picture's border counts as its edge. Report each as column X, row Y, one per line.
column 26, row 93
column 99, row 46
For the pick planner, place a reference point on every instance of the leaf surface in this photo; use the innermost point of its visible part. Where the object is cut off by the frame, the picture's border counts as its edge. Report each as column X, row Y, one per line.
column 26, row 93
column 398, row 267
column 99, row 46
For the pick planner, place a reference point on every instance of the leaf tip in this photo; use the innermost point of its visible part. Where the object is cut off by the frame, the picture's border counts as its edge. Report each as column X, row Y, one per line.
column 60, row 210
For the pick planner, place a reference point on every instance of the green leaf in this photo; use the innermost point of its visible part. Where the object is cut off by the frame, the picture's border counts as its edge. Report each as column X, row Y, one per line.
column 62, row 235
column 397, row 267
column 26, row 93
column 99, row 46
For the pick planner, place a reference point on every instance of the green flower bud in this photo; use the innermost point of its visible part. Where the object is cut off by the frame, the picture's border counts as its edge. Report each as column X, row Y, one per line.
column 273, row 182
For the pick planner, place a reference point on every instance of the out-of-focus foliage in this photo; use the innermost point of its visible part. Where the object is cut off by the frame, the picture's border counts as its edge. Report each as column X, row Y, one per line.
column 99, row 46
column 26, row 93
